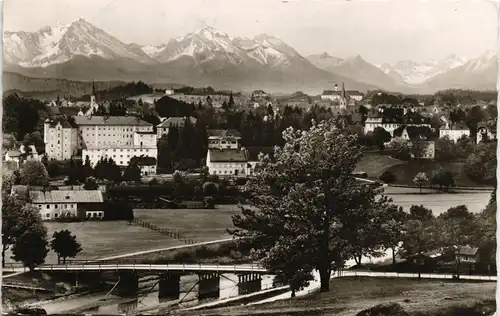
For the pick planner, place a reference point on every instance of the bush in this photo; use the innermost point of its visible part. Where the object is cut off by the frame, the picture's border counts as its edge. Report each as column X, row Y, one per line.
column 209, row 202
column 388, row 177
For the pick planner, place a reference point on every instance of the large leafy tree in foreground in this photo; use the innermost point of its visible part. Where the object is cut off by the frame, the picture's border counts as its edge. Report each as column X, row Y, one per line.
column 307, row 210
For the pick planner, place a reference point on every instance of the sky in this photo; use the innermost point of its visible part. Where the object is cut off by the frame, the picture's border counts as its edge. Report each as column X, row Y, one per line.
column 382, row 31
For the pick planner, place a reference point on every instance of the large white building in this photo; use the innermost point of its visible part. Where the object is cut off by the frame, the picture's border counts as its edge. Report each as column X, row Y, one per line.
column 117, row 137
column 60, row 136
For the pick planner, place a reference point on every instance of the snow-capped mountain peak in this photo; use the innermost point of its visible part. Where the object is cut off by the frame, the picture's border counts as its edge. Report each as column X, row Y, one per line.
column 58, row 44
column 416, row 73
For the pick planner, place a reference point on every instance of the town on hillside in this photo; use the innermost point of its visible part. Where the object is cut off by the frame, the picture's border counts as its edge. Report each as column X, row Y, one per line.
column 234, row 175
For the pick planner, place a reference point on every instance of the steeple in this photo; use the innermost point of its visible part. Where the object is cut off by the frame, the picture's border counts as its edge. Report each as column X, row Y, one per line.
column 93, row 95
column 343, row 91
column 93, row 88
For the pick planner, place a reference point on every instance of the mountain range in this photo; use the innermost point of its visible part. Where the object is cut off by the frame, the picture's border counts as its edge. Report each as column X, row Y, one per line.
column 81, row 51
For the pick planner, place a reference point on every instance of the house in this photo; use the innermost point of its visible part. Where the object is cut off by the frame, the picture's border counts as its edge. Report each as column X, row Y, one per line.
column 227, row 162
column 223, row 139
column 84, row 204
column 17, row 157
column 169, row 91
column 163, row 127
column 146, row 164
column 421, row 144
column 454, row 132
column 338, row 95
column 390, row 118
column 14, row 156
column 259, row 94
column 468, row 254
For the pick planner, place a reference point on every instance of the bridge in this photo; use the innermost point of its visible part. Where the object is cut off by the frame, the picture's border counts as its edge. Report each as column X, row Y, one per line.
column 97, row 267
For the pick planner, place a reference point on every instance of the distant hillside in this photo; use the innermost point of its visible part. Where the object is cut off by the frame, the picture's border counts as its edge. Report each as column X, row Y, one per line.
column 26, row 86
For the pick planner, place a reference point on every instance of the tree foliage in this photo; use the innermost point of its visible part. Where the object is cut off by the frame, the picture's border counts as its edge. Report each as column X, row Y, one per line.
column 34, row 173
column 65, row 245
column 443, row 178
column 306, row 201
column 420, row 180
column 481, row 165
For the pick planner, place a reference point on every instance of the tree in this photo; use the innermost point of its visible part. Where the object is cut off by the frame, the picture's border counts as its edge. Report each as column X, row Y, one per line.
column 31, row 248
column 481, row 165
column 18, row 218
column 472, row 118
column 65, row 245
column 445, row 149
column 210, row 189
column 308, row 203
column 380, row 136
column 388, row 177
column 54, row 168
column 443, row 178
column 418, row 238
column 91, row 184
column 393, row 229
column 209, row 202
column 401, row 148
column 421, row 213
column 132, row 172
column 420, row 180
column 34, row 173
column 458, row 228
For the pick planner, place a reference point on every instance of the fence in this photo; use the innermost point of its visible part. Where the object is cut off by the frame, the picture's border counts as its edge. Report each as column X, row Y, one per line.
column 166, row 232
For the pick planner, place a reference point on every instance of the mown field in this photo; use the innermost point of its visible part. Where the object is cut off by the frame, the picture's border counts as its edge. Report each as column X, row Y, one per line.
column 348, row 296
column 196, row 224
column 406, row 172
column 104, row 239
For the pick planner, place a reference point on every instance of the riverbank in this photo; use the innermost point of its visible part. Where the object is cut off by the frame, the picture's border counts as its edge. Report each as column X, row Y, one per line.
column 349, row 296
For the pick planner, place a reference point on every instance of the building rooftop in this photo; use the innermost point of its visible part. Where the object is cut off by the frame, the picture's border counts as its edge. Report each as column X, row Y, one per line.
column 223, row 133
column 468, row 251
column 175, row 121
column 69, row 196
column 414, row 132
column 111, row 120
column 65, row 122
column 228, row 155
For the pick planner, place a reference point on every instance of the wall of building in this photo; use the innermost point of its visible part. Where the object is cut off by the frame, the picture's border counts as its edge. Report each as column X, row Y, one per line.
column 144, row 140
column 98, row 136
column 223, row 143
column 227, row 168
column 121, row 155
column 55, row 210
column 148, row 170
column 60, row 143
column 453, row 134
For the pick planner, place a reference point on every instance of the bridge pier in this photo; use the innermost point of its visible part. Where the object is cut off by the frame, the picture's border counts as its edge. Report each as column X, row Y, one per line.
column 208, row 286
column 169, row 286
column 129, row 284
column 249, row 283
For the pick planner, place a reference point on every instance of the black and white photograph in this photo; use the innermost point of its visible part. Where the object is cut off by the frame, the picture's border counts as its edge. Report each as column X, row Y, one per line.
column 249, row 157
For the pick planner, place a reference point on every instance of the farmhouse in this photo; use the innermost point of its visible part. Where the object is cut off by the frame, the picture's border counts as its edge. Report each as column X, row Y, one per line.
column 84, row 204
column 163, row 127
column 228, row 162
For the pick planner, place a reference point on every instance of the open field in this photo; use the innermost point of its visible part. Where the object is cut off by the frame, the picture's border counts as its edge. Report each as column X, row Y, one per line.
column 103, row 239
column 205, row 225
column 348, row 296
column 440, row 202
column 406, row 172
column 197, row 224
column 375, row 164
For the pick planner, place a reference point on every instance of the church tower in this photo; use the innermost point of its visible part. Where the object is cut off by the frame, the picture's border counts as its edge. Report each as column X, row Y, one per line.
column 343, row 98
column 92, row 96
